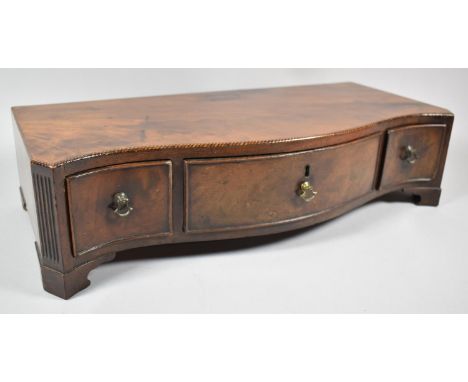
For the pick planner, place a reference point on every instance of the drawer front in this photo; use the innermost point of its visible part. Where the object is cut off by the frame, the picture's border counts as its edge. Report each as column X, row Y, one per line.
column 245, row 192
column 412, row 154
column 119, row 203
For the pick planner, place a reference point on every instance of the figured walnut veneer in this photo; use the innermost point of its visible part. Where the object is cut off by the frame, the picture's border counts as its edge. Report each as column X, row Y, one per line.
column 149, row 186
column 214, row 166
column 219, row 195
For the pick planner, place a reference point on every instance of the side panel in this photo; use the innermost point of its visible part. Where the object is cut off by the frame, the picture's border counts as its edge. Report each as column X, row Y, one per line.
column 25, row 178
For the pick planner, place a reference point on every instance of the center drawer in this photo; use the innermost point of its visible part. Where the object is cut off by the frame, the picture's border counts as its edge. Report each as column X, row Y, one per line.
column 246, row 192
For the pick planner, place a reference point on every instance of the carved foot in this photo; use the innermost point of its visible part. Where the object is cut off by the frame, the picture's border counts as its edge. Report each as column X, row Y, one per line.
column 65, row 285
column 425, row 196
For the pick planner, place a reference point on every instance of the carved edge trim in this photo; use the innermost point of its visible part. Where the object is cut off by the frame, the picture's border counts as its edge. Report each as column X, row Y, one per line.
column 249, row 158
column 370, row 126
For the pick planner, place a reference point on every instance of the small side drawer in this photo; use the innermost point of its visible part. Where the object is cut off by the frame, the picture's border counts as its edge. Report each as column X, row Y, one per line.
column 121, row 202
column 413, row 154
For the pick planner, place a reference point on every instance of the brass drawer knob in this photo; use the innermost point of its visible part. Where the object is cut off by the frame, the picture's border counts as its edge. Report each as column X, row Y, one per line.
column 409, row 154
column 121, row 204
column 306, row 191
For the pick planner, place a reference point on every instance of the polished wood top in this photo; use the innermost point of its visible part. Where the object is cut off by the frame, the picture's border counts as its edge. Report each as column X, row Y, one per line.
column 54, row 134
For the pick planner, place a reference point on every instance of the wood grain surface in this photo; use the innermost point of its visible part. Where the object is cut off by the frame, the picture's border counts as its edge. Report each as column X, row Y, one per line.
column 426, row 140
column 93, row 221
column 54, row 134
column 250, row 192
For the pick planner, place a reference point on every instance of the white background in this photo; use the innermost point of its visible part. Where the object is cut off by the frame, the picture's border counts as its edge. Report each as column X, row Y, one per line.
column 242, row 33
column 385, row 257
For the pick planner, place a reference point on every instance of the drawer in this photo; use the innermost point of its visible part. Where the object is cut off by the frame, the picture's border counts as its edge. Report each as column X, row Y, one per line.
column 412, row 154
column 120, row 202
column 245, row 192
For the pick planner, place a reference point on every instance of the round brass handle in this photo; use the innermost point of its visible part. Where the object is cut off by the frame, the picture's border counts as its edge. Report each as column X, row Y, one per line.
column 121, row 204
column 306, row 191
column 408, row 154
